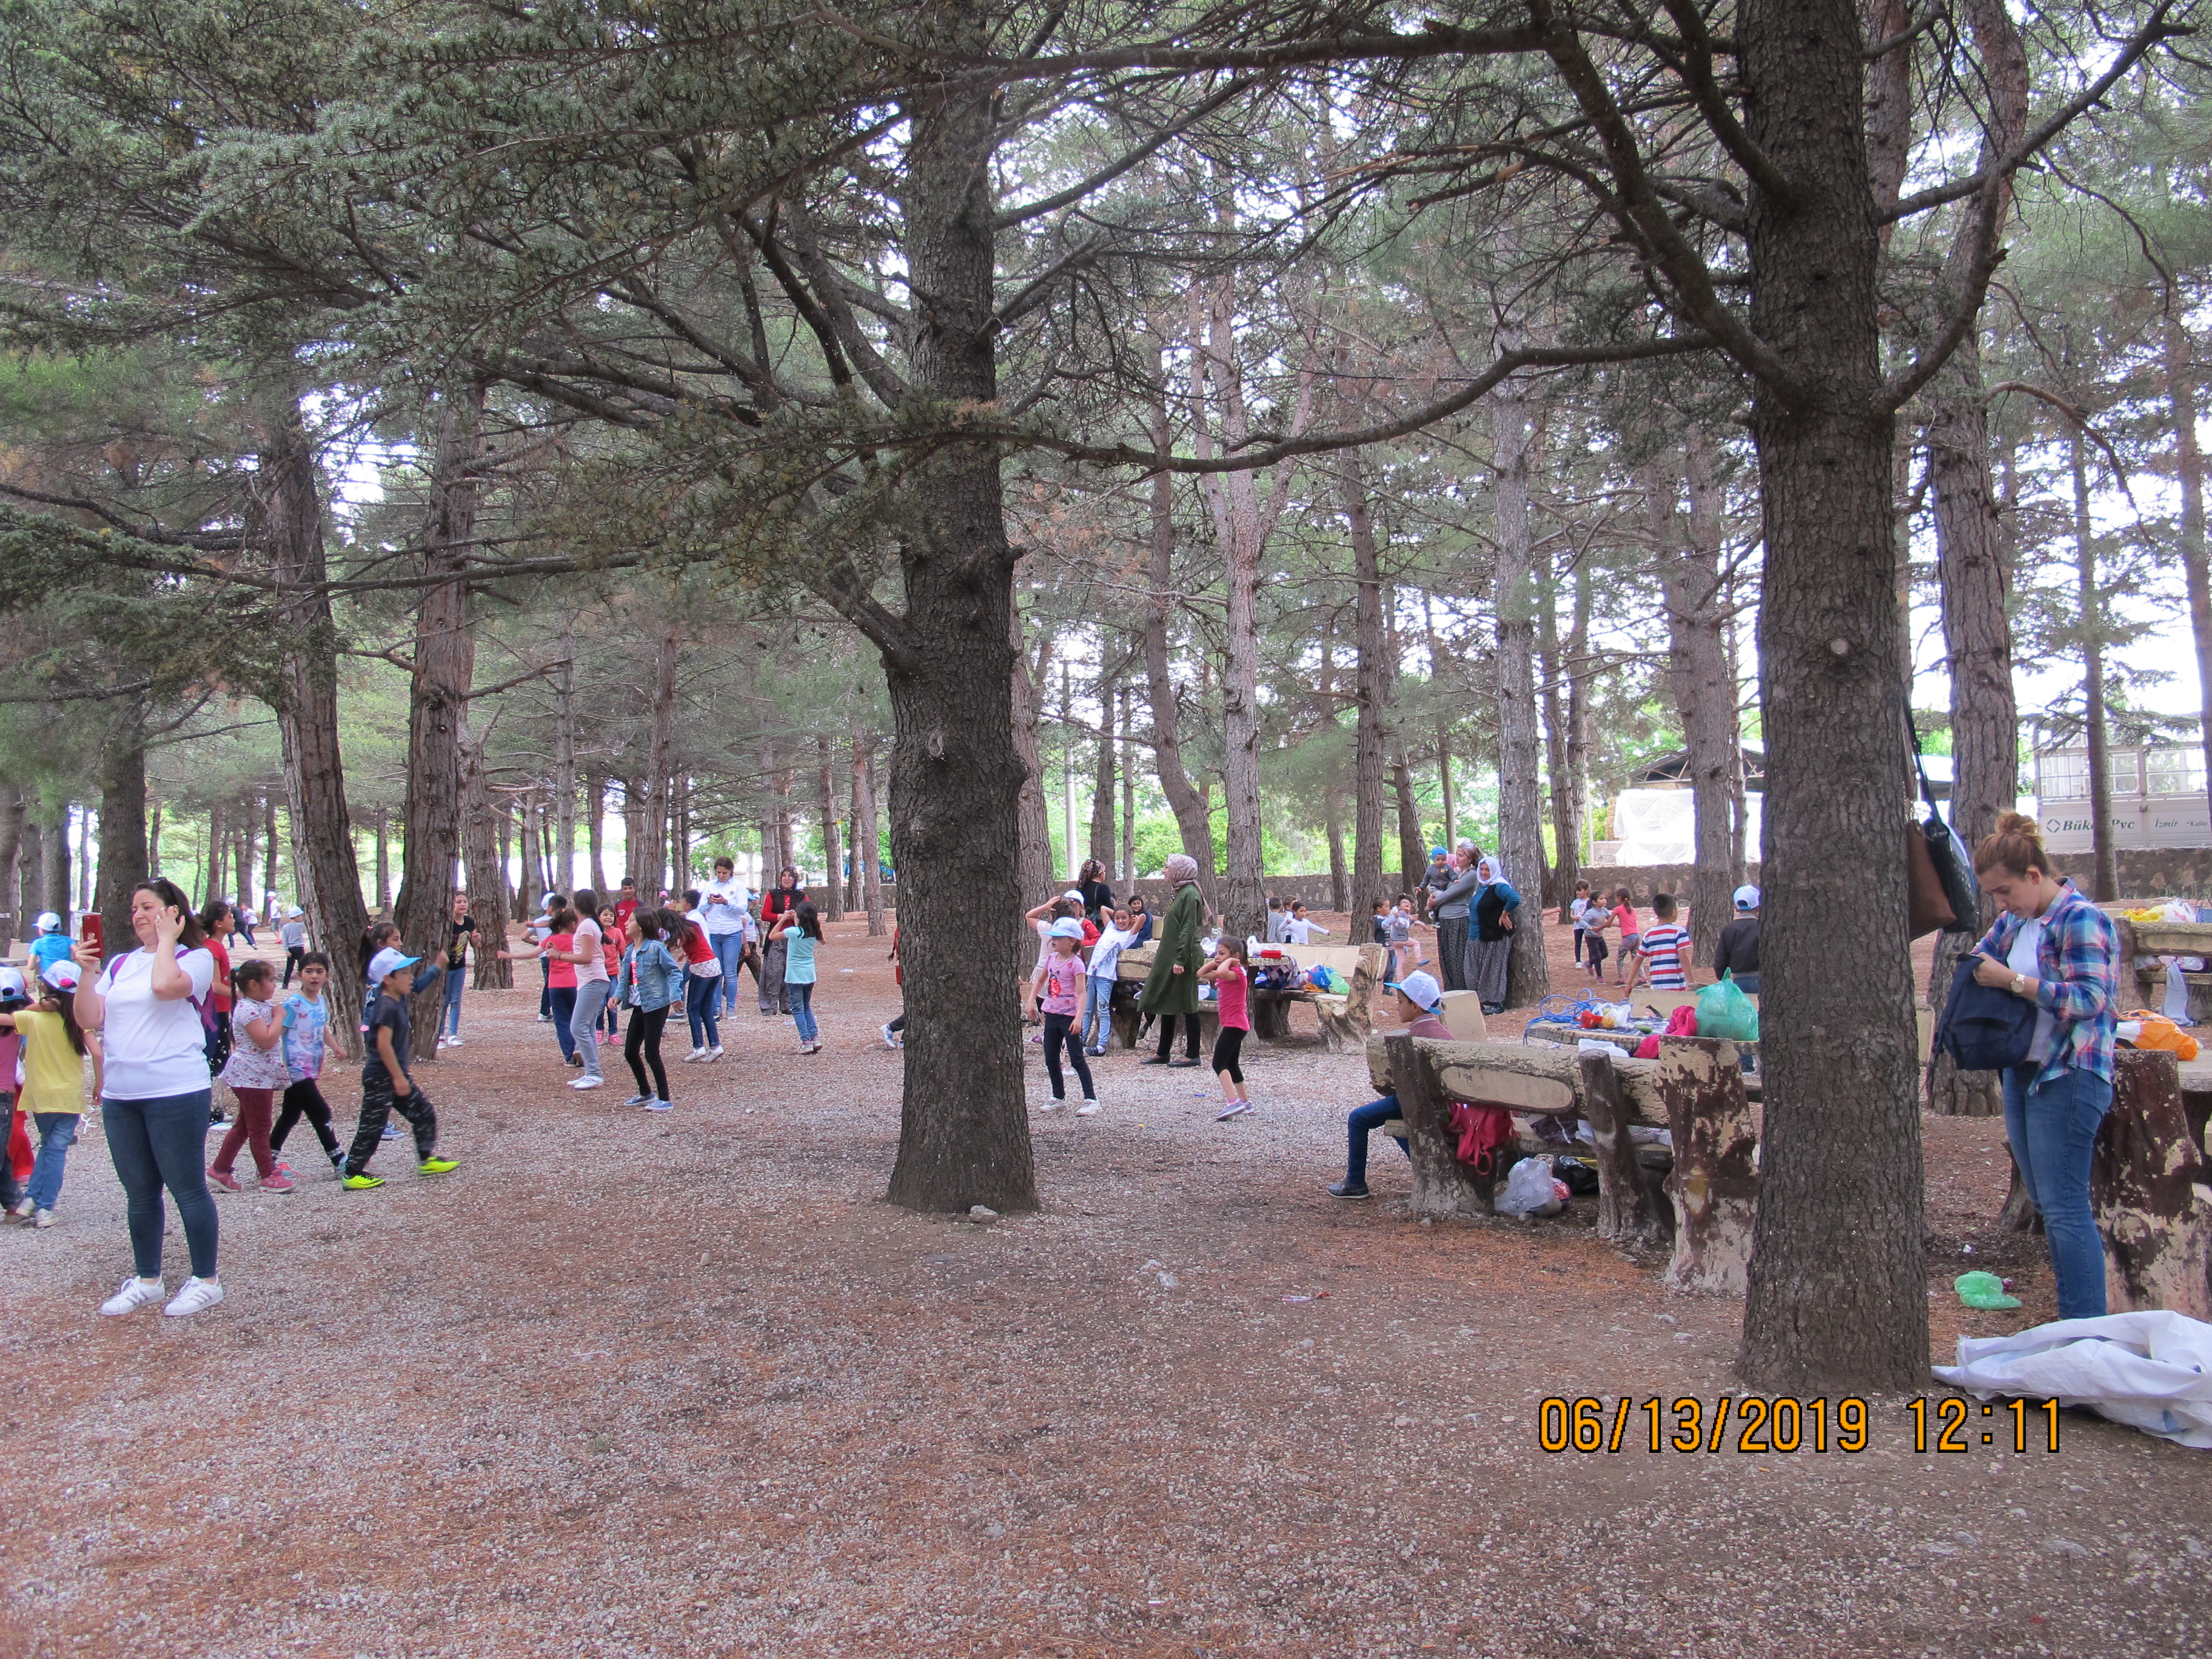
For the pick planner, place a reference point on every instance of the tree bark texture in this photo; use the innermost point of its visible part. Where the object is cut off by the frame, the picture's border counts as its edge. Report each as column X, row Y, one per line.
column 444, row 664
column 564, row 758
column 1705, row 693
column 54, row 849
column 2148, row 1186
column 867, row 855
column 11, row 864
column 1184, row 800
column 955, row 776
column 1838, row 1290
column 649, row 863
column 833, row 846
column 2181, row 372
column 1102, row 782
column 1370, row 683
column 480, row 860
column 1715, row 1183
column 1033, row 846
column 1520, row 802
column 249, row 816
column 122, row 818
column 2105, row 864
column 595, row 828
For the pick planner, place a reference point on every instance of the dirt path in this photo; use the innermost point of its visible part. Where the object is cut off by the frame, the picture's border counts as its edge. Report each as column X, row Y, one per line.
column 683, row 1385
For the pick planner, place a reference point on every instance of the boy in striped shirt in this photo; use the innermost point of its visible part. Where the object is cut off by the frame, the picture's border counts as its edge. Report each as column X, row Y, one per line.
column 1665, row 950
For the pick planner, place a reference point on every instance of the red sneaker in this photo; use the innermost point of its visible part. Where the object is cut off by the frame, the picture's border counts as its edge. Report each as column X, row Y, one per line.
column 227, row 1182
column 277, row 1181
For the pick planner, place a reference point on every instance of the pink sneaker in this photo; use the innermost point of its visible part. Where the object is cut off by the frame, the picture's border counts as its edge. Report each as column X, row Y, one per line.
column 227, row 1182
column 277, row 1181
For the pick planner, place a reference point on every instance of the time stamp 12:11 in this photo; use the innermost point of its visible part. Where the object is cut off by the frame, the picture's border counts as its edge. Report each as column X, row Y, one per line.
column 1754, row 1423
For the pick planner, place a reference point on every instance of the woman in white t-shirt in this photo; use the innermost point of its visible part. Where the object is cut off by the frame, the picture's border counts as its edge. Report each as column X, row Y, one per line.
column 587, row 952
column 722, row 913
column 154, row 1092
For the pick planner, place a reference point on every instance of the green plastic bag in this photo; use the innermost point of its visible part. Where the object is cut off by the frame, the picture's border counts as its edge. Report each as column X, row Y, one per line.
column 1981, row 1289
column 1724, row 1012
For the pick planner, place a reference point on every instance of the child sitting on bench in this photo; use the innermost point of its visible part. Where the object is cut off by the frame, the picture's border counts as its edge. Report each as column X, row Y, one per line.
column 1418, row 995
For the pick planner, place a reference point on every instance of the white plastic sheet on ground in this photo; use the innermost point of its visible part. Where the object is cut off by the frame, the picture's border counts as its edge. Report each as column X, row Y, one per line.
column 2152, row 1371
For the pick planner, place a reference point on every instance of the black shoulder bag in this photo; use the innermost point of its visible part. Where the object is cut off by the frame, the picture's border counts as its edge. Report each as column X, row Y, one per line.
column 1953, row 871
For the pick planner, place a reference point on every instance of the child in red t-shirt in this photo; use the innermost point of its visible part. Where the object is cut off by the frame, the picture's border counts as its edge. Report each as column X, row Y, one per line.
column 1230, row 976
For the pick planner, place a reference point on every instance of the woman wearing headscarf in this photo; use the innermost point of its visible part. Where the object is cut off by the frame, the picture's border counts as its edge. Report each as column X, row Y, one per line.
column 1447, row 908
column 1490, row 936
column 780, row 900
column 1171, row 988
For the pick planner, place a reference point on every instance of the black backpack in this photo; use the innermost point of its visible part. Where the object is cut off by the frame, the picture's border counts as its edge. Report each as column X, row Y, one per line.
column 1984, row 1028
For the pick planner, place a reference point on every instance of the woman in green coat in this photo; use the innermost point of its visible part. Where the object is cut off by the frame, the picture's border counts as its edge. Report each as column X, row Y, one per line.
column 1171, row 988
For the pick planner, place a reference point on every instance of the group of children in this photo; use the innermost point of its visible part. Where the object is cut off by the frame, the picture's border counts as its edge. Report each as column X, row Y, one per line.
column 1073, row 995
column 1657, row 955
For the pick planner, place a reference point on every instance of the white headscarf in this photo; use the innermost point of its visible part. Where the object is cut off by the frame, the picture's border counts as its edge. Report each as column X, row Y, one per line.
column 1489, row 871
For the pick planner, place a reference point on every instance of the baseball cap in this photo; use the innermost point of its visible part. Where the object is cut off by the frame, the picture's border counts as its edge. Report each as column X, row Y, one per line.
column 1747, row 897
column 1421, row 988
column 386, row 963
column 1067, row 927
column 11, row 986
column 49, row 922
column 62, row 974
column 1073, row 893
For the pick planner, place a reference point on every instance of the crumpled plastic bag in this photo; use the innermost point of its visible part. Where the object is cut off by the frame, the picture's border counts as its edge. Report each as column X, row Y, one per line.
column 1981, row 1289
column 1528, row 1189
column 1723, row 1010
column 2151, row 1371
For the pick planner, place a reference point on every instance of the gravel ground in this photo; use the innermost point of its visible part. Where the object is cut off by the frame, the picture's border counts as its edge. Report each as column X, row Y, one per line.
column 684, row 1385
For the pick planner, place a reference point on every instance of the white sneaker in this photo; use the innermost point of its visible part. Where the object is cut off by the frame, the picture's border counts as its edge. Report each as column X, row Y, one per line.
column 890, row 1037
column 695, row 1056
column 197, row 1293
column 1088, row 1108
column 42, row 1217
column 453, row 1043
column 21, row 1209
column 1234, row 1108
column 1050, row 1105
column 136, row 1292
column 445, row 1041
column 587, row 1082
column 714, row 1053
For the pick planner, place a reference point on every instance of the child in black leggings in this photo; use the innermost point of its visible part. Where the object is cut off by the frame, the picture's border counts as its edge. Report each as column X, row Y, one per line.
column 1057, row 988
column 1232, row 982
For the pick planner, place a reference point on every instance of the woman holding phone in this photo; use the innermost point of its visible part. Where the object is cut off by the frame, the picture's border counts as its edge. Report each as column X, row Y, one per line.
column 155, row 1091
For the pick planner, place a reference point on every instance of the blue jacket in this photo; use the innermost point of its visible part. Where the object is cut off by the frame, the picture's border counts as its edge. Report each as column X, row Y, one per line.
column 650, row 977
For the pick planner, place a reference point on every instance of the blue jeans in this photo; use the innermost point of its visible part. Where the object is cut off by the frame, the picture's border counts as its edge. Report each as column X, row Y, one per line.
column 701, row 998
column 729, row 950
column 583, row 1022
column 156, row 1143
column 57, row 1134
column 453, row 984
column 802, row 1010
column 1364, row 1121
column 2053, row 1130
column 544, row 988
column 1097, row 1011
column 564, row 1014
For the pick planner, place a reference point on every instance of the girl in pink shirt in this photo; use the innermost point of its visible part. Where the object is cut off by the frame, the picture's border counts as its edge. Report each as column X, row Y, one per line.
column 1056, row 987
column 1231, row 979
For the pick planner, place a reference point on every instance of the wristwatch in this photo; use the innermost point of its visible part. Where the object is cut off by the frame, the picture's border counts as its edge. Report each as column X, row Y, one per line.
column 2019, row 986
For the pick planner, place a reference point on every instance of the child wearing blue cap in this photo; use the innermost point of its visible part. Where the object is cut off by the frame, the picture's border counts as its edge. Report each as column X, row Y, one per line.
column 386, row 1085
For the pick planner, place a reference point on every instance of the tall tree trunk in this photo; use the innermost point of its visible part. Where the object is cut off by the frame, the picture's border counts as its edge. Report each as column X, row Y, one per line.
column 1705, row 697
column 54, row 845
column 650, row 863
column 1340, row 876
column 2179, row 346
column 1129, row 853
column 1033, row 842
column 445, row 665
column 30, row 869
column 1184, row 799
column 1838, row 1290
column 86, row 863
column 564, row 758
column 1370, row 680
column 781, row 819
column 867, row 841
column 248, row 817
column 269, row 856
column 480, row 860
column 955, row 776
column 503, row 830
column 11, row 866
column 2105, row 879
column 122, row 817
column 1520, row 808
column 833, row 846
column 1447, row 795
column 636, row 806
column 531, row 860
column 212, row 887
column 595, row 828
column 325, row 871
column 383, row 862
column 1101, row 783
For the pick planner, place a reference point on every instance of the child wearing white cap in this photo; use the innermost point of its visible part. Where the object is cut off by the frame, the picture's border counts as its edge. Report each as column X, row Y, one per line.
column 1056, row 987
column 1737, row 953
column 386, row 1085
column 53, row 944
column 53, row 1095
column 1418, row 995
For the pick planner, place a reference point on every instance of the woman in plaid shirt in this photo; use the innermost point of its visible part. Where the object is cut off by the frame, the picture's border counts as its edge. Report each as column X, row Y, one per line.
column 2061, row 953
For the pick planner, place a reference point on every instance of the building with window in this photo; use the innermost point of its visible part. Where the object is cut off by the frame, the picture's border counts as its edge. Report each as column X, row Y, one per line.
column 2158, row 796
